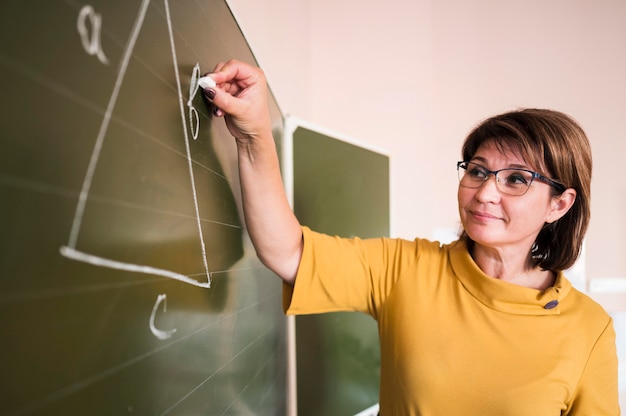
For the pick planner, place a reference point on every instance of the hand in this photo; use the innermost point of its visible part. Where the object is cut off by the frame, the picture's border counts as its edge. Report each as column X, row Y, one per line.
column 241, row 97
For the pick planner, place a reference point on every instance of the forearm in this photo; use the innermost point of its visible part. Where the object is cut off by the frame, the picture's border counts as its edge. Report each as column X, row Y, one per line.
column 273, row 228
column 240, row 94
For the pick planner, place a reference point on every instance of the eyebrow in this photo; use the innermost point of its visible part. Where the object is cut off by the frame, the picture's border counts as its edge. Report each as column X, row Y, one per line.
column 513, row 166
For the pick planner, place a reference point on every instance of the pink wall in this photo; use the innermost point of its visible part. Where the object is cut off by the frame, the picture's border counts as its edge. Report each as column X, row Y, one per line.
column 414, row 77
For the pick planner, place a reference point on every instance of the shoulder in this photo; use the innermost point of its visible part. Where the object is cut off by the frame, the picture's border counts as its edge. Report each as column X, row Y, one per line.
column 587, row 305
column 587, row 315
column 415, row 247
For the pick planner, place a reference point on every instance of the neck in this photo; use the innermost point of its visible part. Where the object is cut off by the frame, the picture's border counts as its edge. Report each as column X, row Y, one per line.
column 512, row 267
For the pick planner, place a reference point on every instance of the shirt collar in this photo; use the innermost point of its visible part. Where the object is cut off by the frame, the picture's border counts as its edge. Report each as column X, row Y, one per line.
column 504, row 296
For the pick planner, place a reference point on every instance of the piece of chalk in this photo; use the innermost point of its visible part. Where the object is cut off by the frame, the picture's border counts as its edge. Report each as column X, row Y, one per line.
column 206, row 82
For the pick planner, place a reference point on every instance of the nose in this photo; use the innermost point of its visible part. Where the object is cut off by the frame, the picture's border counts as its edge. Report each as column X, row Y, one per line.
column 488, row 191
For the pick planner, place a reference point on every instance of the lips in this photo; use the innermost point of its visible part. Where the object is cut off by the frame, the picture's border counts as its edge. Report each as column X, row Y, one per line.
column 483, row 216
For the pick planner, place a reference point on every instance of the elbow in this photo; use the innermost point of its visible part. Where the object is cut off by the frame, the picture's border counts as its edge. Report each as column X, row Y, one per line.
column 284, row 266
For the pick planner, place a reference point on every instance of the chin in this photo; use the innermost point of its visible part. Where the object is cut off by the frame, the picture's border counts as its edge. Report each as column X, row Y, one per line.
column 483, row 238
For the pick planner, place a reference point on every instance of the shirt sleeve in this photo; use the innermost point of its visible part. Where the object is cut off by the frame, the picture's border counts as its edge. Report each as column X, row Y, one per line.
column 597, row 392
column 342, row 274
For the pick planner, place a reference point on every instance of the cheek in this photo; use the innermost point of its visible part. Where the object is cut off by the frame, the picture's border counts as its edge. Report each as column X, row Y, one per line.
column 463, row 196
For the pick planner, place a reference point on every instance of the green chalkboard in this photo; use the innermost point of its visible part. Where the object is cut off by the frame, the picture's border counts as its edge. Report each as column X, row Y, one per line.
column 127, row 281
column 339, row 188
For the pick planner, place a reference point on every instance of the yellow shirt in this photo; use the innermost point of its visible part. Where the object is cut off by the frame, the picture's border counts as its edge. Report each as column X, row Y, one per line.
column 455, row 341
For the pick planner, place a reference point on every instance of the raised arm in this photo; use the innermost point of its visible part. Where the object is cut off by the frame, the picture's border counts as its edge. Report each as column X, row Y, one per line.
column 241, row 97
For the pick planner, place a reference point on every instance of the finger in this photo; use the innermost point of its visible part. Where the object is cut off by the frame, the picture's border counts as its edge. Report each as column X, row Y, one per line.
column 209, row 93
column 226, row 80
column 214, row 110
column 225, row 99
column 219, row 66
column 234, row 76
column 224, row 102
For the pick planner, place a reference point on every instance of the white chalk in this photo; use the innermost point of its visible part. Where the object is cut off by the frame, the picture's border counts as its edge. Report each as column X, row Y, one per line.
column 206, row 82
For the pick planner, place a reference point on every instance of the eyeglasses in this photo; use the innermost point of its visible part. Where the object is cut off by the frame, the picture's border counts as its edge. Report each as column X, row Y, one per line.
column 510, row 181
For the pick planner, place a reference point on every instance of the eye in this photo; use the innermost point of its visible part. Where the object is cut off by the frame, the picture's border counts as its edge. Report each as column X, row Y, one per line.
column 476, row 172
column 517, row 178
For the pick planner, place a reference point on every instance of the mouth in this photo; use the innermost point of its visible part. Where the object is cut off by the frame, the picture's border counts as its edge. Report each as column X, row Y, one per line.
column 483, row 216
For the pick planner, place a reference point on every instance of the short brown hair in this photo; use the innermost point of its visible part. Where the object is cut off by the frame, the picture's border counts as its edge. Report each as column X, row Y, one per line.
column 554, row 144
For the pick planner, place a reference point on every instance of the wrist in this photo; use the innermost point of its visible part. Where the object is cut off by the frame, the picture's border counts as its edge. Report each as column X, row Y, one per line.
column 257, row 149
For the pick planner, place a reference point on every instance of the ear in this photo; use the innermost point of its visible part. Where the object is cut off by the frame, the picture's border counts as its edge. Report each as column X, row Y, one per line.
column 560, row 204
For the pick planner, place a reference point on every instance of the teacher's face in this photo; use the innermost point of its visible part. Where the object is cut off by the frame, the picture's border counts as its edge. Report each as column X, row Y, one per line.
column 497, row 220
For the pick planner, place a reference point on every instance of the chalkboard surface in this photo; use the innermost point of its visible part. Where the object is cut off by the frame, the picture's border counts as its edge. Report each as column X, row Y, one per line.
column 339, row 188
column 127, row 281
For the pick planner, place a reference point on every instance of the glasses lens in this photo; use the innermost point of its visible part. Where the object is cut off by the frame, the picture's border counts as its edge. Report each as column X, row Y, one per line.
column 471, row 175
column 514, row 182
column 508, row 181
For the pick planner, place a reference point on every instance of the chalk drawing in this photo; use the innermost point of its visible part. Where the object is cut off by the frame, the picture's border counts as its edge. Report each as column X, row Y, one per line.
column 194, row 121
column 187, row 149
column 159, row 333
column 91, row 42
column 71, row 250
column 129, row 267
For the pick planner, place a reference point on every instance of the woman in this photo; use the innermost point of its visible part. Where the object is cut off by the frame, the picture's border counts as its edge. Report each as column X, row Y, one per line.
column 488, row 325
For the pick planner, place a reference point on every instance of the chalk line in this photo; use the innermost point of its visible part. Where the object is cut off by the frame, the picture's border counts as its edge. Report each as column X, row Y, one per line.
column 74, row 254
column 95, row 155
column 159, row 333
column 188, row 150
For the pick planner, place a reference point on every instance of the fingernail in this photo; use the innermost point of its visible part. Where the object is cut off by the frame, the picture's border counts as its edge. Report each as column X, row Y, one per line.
column 210, row 93
column 218, row 112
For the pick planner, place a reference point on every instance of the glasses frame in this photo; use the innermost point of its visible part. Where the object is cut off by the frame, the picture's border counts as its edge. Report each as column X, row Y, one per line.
column 534, row 175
